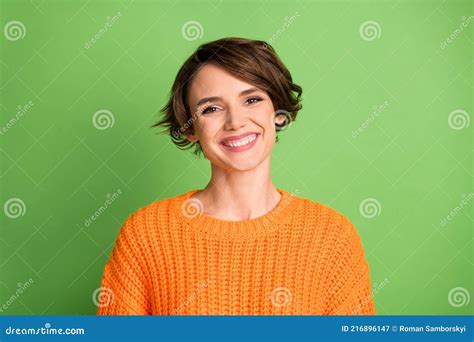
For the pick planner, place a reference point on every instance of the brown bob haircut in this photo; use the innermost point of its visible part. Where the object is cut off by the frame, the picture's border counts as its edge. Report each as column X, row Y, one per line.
column 253, row 61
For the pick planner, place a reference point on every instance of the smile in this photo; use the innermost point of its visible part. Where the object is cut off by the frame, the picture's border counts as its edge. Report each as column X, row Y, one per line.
column 243, row 144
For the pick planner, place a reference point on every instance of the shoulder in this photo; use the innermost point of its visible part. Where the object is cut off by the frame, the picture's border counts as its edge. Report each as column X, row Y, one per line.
column 159, row 206
column 328, row 221
column 156, row 213
column 324, row 213
column 336, row 237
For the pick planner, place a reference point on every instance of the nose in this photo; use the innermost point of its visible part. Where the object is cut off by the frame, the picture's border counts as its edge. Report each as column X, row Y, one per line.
column 235, row 119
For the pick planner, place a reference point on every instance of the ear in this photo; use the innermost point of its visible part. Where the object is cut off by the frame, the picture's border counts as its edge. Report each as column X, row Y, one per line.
column 281, row 119
column 192, row 137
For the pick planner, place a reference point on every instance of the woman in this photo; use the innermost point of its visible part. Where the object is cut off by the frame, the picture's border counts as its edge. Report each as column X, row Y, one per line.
column 240, row 246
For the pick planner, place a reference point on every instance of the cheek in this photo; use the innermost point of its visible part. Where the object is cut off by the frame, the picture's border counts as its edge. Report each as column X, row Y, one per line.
column 207, row 128
column 267, row 118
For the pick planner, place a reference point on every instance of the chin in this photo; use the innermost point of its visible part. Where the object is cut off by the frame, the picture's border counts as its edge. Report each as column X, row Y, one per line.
column 243, row 163
column 235, row 161
column 244, row 166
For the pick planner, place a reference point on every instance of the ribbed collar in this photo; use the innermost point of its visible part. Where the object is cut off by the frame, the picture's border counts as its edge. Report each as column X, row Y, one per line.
column 189, row 211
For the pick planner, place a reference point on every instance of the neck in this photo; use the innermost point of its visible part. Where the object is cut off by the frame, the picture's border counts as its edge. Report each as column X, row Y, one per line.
column 240, row 195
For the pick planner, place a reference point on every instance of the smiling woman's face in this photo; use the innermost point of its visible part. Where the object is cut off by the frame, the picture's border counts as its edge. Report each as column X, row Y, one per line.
column 233, row 122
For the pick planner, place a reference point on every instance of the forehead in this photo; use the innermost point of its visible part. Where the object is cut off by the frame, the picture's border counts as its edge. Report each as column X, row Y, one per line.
column 212, row 80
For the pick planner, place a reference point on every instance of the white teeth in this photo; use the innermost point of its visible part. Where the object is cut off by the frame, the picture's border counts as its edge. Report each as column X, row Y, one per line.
column 242, row 142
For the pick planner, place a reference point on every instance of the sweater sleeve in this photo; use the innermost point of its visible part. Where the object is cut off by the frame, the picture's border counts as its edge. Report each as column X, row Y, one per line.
column 350, row 290
column 123, row 288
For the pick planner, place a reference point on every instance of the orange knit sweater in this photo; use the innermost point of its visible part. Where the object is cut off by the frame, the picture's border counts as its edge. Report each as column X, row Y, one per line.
column 301, row 258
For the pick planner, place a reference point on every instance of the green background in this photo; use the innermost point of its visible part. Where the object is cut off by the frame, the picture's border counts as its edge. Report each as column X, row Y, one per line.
column 408, row 158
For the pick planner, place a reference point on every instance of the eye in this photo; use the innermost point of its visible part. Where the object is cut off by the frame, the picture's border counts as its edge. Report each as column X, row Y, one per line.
column 209, row 109
column 254, row 99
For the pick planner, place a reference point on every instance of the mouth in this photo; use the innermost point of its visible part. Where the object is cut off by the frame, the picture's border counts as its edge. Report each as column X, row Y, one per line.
column 243, row 143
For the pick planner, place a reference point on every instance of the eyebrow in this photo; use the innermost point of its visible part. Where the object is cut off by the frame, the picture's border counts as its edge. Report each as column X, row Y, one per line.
column 217, row 98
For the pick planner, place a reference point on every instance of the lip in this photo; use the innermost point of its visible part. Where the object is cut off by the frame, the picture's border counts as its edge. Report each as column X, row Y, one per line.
column 240, row 148
column 237, row 137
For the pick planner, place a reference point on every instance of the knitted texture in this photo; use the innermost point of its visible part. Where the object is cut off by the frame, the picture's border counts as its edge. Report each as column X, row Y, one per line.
column 300, row 258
